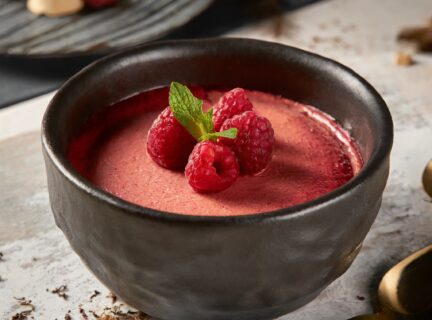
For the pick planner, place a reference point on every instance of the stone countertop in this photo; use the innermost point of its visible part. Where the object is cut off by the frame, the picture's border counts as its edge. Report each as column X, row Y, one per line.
column 361, row 34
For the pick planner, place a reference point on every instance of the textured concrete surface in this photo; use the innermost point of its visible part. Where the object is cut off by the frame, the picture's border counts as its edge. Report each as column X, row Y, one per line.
column 36, row 256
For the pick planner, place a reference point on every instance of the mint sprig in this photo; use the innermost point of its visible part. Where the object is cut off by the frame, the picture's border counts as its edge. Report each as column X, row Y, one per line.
column 187, row 109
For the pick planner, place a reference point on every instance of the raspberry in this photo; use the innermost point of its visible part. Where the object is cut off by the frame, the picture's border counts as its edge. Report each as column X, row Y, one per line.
column 254, row 142
column 232, row 103
column 168, row 143
column 212, row 167
column 97, row 4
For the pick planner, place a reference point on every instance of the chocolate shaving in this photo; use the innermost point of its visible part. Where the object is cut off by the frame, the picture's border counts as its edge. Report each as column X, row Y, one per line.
column 94, row 314
column 113, row 297
column 24, row 302
column 61, row 292
column 1, row 256
column 2, row 279
column 83, row 313
column 95, row 294
column 421, row 36
column 67, row 317
column 127, row 317
column 23, row 315
column 115, row 313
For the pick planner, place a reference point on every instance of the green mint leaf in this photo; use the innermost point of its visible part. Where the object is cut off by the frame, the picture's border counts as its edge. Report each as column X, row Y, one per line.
column 181, row 99
column 207, row 119
column 230, row 134
column 187, row 109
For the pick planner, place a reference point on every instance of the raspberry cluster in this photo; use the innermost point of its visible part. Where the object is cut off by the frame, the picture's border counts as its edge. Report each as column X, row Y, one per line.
column 97, row 4
column 215, row 147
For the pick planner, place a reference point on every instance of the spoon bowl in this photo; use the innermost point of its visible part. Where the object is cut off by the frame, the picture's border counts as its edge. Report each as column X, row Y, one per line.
column 427, row 178
column 376, row 316
column 407, row 287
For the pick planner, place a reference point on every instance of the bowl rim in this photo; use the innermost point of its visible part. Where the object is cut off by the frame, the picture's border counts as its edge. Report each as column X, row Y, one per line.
column 378, row 156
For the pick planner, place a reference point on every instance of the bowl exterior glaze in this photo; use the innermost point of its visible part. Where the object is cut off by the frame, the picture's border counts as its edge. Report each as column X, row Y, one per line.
column 247, row 267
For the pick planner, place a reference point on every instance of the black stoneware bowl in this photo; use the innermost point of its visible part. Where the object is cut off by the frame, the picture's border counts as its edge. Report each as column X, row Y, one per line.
column 177, row 267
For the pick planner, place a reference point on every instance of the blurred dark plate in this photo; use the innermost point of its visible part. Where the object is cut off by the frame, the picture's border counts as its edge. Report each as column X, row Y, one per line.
column 91, row 32
column 23, row 76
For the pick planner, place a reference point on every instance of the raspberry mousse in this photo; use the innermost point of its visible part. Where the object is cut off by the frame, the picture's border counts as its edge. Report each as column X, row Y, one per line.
column 262, row 152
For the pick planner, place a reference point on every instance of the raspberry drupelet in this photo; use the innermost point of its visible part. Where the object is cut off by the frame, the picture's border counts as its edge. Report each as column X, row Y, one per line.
column 212, row 167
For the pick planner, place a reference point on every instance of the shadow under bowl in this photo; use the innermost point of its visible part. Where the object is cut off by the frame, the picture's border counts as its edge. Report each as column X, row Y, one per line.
column 242, row 267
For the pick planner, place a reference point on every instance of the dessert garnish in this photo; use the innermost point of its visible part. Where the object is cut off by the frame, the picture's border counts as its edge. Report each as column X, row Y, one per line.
column 168, row 142
column 94, row 295
column 187, row 109
column 254, row 142
column 54, row 7
column 232, row 103
column 213, row 146
column 25, row 313
column 60, row 292
column 98, row 4
column 62, row 8
column 212, row 167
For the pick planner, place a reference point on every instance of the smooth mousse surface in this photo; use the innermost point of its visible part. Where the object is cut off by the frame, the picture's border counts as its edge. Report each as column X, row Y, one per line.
column 313, row 155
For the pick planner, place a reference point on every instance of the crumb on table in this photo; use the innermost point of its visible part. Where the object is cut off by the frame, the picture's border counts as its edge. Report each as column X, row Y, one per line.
column 403, row 59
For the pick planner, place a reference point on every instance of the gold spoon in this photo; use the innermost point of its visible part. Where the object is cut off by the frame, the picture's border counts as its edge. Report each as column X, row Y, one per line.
column 406, row 289
column 377, row 316
column 427, row 178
